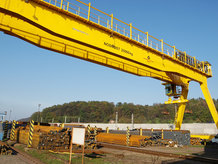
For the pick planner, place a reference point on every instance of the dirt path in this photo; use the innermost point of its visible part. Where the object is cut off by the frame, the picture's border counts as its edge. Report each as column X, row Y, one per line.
column 127, row 157
column 9, row 159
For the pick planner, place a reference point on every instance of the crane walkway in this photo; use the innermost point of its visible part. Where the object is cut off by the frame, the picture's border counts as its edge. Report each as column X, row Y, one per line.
column 80, row 30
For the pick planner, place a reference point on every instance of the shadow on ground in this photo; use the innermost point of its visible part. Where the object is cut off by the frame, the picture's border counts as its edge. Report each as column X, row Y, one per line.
column 210, row 151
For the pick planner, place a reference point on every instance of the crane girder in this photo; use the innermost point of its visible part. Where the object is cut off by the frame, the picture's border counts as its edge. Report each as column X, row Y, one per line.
column 54, row 27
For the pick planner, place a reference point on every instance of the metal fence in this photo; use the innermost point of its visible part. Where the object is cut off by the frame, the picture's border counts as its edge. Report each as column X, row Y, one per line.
column 109, row 21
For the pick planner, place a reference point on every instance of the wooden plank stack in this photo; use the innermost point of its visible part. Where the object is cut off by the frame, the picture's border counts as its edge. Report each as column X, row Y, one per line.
column 120, row 139
column 44, row 137
column 134, row 140
column 54, row 140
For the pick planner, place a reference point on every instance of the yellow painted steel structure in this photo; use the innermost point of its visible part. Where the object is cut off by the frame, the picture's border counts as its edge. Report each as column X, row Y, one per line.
column 205, row 137
column 79, row 30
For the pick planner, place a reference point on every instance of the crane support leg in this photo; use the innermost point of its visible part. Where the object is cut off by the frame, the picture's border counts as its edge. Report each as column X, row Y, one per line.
column 181, row 109
column 210, row 102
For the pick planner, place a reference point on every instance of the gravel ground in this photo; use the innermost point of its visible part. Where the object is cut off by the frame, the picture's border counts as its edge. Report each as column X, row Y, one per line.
column 11, row 159
column 115, row 156
column 177, row 150
column 127, row 157
column 210, row 151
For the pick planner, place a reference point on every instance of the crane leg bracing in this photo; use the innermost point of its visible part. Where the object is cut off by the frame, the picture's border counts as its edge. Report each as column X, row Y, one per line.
column 181, row 109
column 64, row 28
column 210, row 102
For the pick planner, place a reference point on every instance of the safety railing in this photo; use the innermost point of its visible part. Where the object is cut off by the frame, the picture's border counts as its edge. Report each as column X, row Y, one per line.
column 109, row 21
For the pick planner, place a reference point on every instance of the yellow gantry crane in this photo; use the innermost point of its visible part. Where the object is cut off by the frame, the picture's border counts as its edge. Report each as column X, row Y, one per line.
column 79, row 30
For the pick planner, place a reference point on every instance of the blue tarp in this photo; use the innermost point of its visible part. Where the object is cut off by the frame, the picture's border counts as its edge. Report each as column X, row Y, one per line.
column 1, row 131
column 1, row 135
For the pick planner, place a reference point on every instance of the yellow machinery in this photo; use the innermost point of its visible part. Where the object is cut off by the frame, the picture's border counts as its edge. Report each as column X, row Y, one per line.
column 79, row 30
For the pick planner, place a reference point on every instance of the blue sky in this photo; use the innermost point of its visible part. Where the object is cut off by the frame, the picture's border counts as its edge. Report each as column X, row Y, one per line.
column 32, row 76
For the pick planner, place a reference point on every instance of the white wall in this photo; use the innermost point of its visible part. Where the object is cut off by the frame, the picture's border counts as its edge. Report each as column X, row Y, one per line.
column 200, row 128
column 195, row 128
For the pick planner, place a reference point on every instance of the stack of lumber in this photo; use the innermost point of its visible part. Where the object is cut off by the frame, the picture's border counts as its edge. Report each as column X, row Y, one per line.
column 44, row 137
column 120, row 139
column 134, row 140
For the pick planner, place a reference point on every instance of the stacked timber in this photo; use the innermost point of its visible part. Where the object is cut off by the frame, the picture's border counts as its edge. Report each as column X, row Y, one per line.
column 181, row 137
column 134, row 140
column 44, row 137
column 120, row 139
column 54, row 140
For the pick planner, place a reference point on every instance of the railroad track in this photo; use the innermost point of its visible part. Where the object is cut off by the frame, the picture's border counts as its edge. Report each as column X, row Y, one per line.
column 5, row 149
column 164, row 154
column 22, row 155
column 27, row 158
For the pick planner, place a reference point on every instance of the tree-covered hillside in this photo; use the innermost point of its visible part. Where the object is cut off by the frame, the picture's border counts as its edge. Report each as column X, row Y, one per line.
column 103, row 112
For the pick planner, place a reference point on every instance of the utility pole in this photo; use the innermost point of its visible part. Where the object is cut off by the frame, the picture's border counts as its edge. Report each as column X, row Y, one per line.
column 132, row 121
column 41, row 119
column 38, row 116
column 10, row 116
column 78, row 119
column 52, row 120
column 116, row 118
column 5, row 116
column 65, row 119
